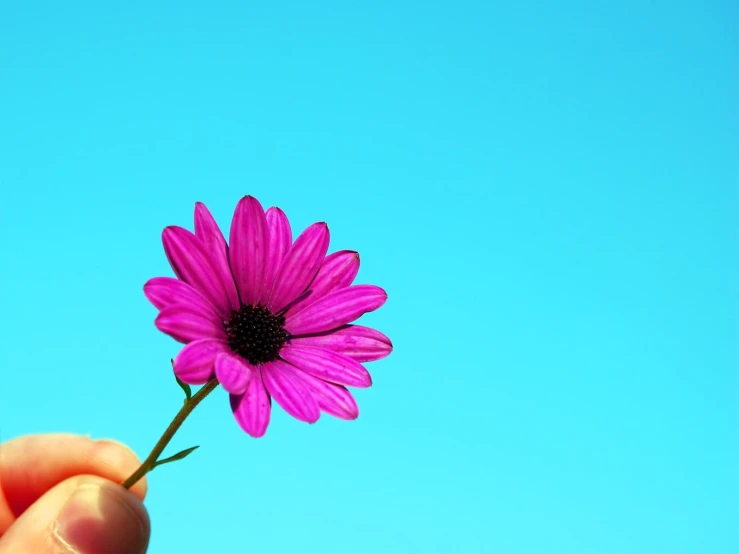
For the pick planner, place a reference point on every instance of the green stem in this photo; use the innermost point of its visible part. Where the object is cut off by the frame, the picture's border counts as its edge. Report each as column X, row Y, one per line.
column 177, row 422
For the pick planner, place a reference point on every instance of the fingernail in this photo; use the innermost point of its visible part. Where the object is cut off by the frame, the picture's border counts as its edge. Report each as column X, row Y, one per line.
column 97, row 520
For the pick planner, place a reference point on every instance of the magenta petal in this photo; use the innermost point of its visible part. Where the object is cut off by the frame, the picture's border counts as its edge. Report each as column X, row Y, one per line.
column 207, row 230
column 337, row 271
column 185, row 325
column 233, row 372
column 248, row 252
column 253, row 408
column 335, row 309
column 280, row 239
column 290, row 392
column 299, row 266
column 327, row 365
column 163, row 292
column 191, row 263
column 333, row 399
column 359, row 343
column 194, row 363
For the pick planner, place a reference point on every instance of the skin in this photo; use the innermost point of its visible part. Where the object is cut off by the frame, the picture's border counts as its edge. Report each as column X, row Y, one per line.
column 61, row 493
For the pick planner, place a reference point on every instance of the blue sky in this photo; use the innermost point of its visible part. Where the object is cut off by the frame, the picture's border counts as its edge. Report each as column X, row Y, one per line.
column 547, row 191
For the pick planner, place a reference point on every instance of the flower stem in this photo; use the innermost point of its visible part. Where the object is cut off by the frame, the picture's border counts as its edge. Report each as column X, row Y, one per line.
column 177, row 422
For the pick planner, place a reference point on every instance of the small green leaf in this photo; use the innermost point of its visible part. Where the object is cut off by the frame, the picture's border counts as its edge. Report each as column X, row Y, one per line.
column 184, row 386
column 176, row 457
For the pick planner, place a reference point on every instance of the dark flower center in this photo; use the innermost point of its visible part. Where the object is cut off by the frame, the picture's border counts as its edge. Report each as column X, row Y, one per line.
column 256, row 334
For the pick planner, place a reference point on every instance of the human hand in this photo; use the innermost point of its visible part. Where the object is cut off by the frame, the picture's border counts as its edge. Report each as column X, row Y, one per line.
column 60, row 494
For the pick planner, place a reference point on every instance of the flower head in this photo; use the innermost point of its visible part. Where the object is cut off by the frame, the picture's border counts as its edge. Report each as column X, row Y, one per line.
column 266, row 316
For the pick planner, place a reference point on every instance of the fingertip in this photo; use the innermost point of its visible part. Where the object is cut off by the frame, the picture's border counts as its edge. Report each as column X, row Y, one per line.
column 33, row 464
column 99, row 517
column 85, row 514
column 120, row 456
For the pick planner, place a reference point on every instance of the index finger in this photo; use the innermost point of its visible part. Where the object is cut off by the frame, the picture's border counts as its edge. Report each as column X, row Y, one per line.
column 31, row 465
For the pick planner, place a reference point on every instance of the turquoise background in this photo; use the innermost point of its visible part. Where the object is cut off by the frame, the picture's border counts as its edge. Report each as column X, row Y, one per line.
column 548, row 191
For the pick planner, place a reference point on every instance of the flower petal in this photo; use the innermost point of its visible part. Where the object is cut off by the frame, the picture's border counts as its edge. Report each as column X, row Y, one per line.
column 233, row 372
column 253, row 408
column 299, row 266
column 335, row 309
column 164, row 292
column 280, row 239
column 248, row 252
column 359, row 343
column 333, row 399
column 194, row 363
column 337, row 272
column 184, row 324
column 207, row 230
column 327, row 365
column 290, row 392
column 191, row 263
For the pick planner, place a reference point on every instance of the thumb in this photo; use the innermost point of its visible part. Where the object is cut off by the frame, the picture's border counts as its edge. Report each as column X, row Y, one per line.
column 82, row 515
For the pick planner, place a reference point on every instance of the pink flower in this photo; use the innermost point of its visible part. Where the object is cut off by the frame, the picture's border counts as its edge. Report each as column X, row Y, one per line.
column 266, row 316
